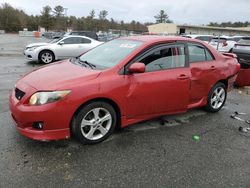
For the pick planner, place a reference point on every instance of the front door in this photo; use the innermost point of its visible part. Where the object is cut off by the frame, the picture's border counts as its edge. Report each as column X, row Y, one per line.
column 164, row 87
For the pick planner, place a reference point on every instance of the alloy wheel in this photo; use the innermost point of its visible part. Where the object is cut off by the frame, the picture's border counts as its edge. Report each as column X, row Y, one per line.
column 218, row 97
column 96, row 123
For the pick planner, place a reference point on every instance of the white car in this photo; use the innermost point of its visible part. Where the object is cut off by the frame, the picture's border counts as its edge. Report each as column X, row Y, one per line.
column 226, row 43
column 63, row 48
column 204, row 38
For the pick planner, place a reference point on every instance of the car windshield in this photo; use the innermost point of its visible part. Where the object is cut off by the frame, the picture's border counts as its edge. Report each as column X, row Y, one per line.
column 111, row 53
column 55, row 40
column 245, row 41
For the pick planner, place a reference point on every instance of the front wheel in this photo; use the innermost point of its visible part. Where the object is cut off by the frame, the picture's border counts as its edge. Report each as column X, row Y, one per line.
column 216, row 98
column 46, row 57
column 94, row 122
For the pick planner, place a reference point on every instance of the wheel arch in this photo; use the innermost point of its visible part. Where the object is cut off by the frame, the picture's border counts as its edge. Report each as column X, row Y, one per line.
column 224, row 81
column 47, row 49
column 100, row 99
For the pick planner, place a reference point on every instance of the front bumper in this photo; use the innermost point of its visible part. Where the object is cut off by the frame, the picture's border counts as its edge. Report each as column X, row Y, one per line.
column 31, row 55
column 55, row 116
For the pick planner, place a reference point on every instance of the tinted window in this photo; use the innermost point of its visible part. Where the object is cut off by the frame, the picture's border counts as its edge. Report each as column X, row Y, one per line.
column 204, row 38
column 85, row 41
column 198, row 53
column 244, row 41
column 222, row 40
column 164, row 58
column 72, row 40
column 236, row 39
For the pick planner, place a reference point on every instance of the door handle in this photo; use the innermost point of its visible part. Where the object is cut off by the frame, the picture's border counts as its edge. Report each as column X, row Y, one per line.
column 183, row 77
column 212, row 67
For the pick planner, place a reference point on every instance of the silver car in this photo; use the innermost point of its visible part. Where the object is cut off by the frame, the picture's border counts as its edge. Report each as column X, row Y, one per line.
column 62, row 48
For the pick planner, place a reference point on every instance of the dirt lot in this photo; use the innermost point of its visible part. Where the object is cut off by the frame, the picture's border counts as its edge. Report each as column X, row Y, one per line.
column 144, row 155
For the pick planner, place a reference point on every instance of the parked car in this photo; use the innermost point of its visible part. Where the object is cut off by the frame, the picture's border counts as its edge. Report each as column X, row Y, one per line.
column 53, row 35
column 121, row 82
column 205, row 38
column 89, row 34
column 61, row 48
column 242, row 50
column 226, row 44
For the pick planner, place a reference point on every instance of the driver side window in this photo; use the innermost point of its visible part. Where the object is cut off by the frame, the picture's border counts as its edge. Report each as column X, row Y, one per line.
column 164, row 58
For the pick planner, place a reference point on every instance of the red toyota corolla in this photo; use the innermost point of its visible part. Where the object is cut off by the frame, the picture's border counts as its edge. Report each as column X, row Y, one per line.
column 119, row 83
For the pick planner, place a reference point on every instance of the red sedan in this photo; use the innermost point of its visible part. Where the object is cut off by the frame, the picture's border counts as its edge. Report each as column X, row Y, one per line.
column 119, row 83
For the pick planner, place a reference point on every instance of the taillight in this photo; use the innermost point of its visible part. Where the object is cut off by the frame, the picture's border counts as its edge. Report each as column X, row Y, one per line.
column 238, row 67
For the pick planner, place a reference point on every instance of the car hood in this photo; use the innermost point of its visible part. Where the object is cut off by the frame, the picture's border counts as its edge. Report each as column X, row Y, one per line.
column 37, row 44
column 60, row 75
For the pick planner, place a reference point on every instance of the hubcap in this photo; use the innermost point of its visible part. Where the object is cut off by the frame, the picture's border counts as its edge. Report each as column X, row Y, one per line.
column 46, row 57
column 96, row 123
column 218, row 97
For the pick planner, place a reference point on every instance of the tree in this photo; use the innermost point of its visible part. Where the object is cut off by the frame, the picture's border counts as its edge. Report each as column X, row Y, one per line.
column 12, row 20
column 60, row 21
column 162, row 17
column 92, row 14
column 46, row 18
column 58, row 11
column 103, row 15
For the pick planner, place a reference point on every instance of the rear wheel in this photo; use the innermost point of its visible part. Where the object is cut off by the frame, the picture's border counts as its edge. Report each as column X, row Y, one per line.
column 94, row 122
column 216, row 98
column 46, row 57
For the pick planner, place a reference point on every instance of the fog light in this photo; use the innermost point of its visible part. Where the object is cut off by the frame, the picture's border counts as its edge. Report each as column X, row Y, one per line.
column 38, row 125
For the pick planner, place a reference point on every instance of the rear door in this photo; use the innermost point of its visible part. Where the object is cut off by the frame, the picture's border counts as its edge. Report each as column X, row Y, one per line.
column 164, row 87
column 204, row 71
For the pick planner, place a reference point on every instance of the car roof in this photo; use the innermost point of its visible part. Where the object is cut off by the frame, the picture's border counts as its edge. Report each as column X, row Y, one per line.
column 196, row 35
column 80, row 36
column 157, row 38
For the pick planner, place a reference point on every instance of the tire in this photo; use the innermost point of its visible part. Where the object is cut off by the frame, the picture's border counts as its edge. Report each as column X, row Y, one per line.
column 216, row 97
column 46, row 57
column 89, row 125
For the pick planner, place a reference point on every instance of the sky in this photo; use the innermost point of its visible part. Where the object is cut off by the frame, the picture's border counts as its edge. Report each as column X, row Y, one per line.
column 196, row 12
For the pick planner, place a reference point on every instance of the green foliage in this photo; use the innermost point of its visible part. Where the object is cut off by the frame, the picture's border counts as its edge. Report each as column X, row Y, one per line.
column 229, row 24
column 58, row 11
column 46, row 18
column 13, row 20
column 9, row 18
column 162, row 17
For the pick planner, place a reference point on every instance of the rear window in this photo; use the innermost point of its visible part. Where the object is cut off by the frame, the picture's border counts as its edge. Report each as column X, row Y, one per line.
column 198, row 54
column 204, row 38
column 221, row 40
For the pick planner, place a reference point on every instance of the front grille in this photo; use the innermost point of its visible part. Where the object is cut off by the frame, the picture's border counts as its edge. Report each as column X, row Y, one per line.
column 19, row 94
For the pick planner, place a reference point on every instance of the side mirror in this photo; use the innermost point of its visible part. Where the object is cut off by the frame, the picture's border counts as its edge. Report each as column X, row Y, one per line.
column 137, row 67
column 61, row 43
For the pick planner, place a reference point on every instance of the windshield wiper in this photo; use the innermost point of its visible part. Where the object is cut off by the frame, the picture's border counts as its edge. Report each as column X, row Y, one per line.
column 92, row 66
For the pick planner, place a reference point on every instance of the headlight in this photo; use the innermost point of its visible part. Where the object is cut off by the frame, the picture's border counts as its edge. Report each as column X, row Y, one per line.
column 32, row 48
column 45, row 97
